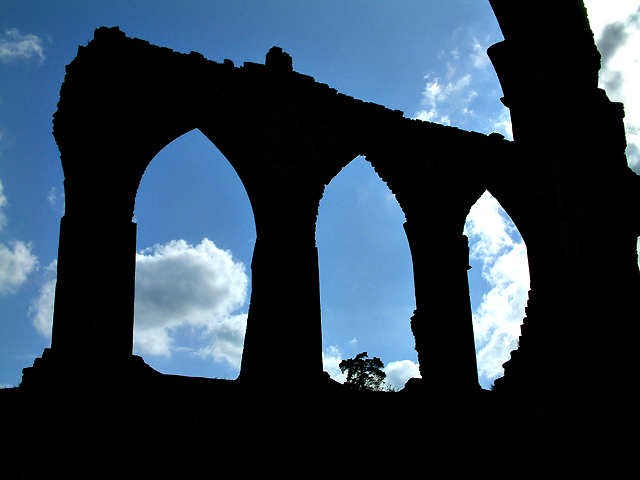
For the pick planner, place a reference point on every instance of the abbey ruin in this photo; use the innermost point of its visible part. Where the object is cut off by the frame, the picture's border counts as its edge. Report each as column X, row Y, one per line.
column 564, row 181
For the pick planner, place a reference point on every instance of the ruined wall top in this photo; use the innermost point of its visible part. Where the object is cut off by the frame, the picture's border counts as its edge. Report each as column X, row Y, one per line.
column 268, row 120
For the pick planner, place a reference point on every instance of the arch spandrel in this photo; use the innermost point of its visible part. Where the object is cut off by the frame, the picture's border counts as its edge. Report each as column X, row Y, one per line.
column 435, row 170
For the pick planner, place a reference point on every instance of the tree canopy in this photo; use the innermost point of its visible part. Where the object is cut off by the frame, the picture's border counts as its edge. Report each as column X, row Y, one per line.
column 363, row 373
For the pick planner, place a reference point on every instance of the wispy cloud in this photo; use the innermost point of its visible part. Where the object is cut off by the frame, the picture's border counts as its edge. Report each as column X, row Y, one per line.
column 452, row 92
column 4, row 203
column 15, row 46
column 479, row 55
column 56, row 200
column 452, row 96
column 505, row 268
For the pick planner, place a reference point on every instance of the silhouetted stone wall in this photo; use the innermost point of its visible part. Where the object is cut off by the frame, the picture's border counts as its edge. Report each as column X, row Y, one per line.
column 287, row 137
column 564, row 181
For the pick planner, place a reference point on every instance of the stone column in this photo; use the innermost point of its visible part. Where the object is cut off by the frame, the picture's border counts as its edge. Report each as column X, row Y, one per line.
column 93, row 311
column 92, row 335
column 284, row 336
column 442, row 323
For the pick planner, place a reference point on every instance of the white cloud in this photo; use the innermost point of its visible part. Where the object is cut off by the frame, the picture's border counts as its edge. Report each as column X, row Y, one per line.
column 16, row 263
column 399, row 372
column 226, row 340
column 489, row 229
column 41, row 308
column 330, row 362
column 16, row 260
column 603, row 13
column 497, row 320
column 616, row 27
column 179, row 287
column 14, row 46
column 190, row 290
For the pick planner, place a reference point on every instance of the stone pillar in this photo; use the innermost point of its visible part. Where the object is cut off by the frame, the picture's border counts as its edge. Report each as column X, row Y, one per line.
column 93, row 310
column 92, row 335
column 284, row 336
column 442, row 323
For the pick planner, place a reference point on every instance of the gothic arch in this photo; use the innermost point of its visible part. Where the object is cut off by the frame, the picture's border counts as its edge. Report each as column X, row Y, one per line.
column 218, row 210
column 355, row 240
column 110, row 124
column 283, row 159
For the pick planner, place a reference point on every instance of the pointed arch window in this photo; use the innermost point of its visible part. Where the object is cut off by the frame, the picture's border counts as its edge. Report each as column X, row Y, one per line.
column 196, row 234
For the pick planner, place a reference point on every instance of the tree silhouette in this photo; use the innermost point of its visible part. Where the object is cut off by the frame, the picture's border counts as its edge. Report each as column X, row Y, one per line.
column 363, row 373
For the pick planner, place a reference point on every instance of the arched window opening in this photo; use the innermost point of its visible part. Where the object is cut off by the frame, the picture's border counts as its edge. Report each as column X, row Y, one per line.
column 498, row 285
column 366, row 274
column 195, row 241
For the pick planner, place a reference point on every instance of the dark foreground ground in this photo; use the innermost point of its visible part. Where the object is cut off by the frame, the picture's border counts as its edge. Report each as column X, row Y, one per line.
column 177, row 427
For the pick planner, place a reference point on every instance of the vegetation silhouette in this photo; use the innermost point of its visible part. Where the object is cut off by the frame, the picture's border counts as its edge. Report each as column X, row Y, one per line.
column 364, row 373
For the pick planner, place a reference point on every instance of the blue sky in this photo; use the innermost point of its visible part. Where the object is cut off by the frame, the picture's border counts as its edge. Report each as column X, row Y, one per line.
column 195, row 226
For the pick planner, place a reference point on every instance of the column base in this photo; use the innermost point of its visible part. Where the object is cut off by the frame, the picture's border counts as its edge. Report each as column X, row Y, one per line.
column 64, row 371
